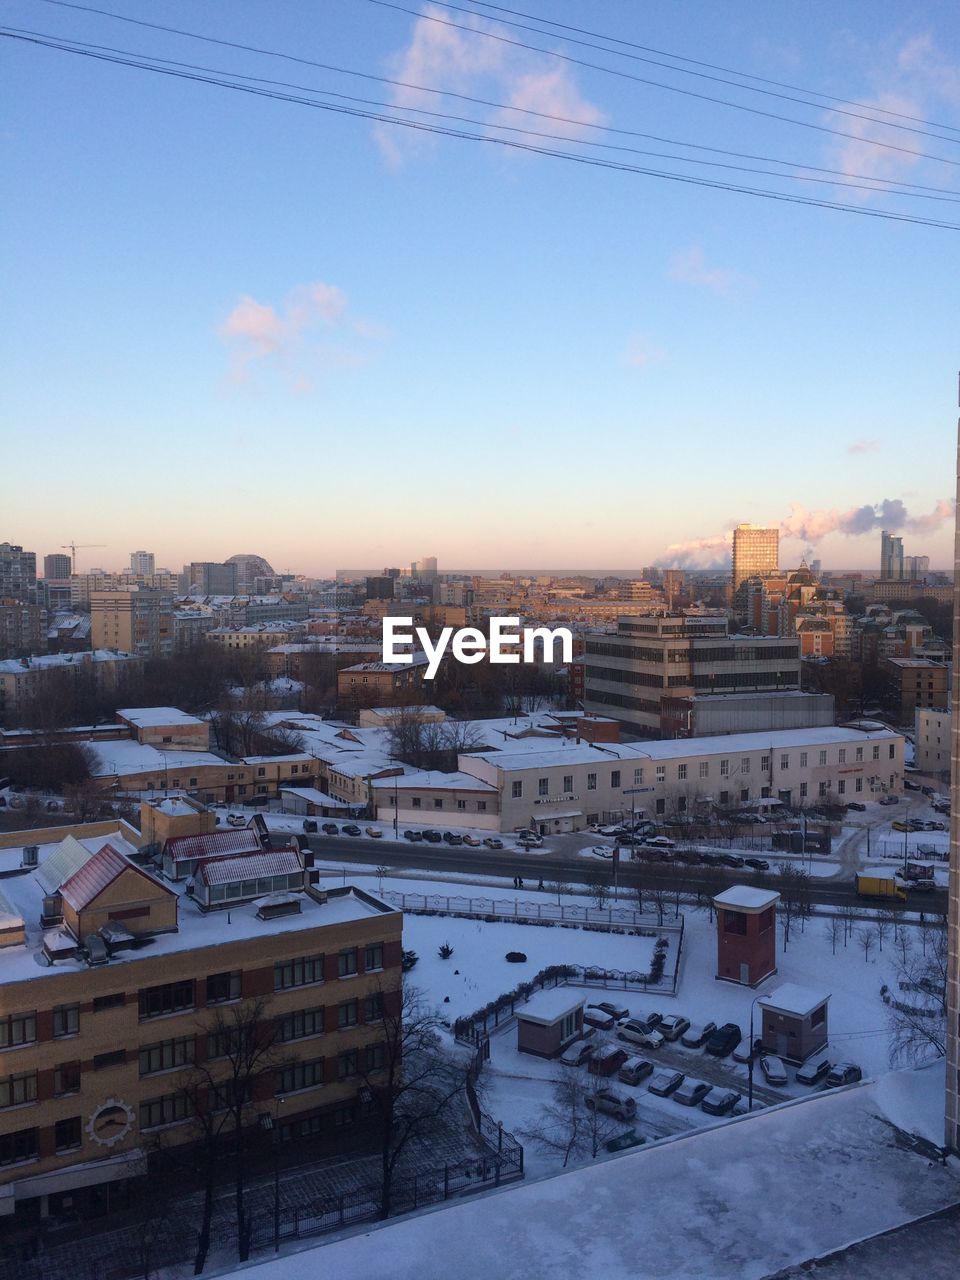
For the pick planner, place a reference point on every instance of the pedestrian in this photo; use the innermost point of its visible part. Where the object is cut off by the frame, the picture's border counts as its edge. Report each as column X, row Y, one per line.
column 516, row 882
column 540, row 884
column 519, row 882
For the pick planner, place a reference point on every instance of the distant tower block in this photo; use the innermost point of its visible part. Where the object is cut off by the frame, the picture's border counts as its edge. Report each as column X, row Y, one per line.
column 746, row 934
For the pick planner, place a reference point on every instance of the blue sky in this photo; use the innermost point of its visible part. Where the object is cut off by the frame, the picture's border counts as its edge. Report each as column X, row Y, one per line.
column 236, row 324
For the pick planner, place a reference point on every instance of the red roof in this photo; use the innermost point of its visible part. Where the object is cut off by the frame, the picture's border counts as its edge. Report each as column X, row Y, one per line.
column 275, row 862
column 213, row 844
column 86, row 884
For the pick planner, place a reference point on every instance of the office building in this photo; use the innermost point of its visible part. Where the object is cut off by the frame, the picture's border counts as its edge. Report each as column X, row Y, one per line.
column 134, row 620
column 18, row 573
column 381, row 588
column 142, row 563
column 756, row 552
column 57, row 567
column 210, row 578
column 891, row 557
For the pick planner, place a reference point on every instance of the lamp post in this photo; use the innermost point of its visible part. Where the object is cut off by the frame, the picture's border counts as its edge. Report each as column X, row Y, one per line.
column 753, row 1005
column 396, row 806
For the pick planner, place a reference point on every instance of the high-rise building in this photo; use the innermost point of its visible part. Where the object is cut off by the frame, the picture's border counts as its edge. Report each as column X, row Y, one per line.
column 952, row 1125
column 210, row 578
column 133, row 620
column 143, row 563
column 57, row 567
column 380, row 588
column 891, row 556
column 249, row 567
column 425, row 569
column 756, row 552
column 18, row 573
column 916, row 566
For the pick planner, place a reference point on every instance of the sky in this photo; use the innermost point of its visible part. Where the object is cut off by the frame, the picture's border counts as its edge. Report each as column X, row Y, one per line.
column 240, row 324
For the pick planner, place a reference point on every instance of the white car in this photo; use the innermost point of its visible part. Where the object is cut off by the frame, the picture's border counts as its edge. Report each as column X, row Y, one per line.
column 577, row 1053
column 695, row 1036
column 636, row 1032
column 660, row 842
column 594, row 1016
column 773, row 1069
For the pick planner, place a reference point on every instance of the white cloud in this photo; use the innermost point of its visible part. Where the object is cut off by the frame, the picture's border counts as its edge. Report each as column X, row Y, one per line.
column 285, row 337
column 689, row 266
column 441, row 56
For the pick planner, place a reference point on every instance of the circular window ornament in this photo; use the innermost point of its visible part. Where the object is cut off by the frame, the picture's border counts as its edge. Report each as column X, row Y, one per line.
column 110, row 1123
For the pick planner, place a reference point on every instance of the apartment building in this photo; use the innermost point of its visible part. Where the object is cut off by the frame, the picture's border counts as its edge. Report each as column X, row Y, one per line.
column 23, row 628
column 756, row 553
column 134, row 620
column 932, row 734
column 651, row 672
column 18, row 573
column 21, row 679
column 913, row 683
column 116, row 982
column 569, row 787
column 371, row 682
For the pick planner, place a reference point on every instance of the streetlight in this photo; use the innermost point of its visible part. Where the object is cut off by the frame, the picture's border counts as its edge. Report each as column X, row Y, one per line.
column 753, row 1004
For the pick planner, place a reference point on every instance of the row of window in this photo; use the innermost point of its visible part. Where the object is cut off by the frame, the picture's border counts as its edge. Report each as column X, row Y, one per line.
column 25, row 1143
column 416, row 802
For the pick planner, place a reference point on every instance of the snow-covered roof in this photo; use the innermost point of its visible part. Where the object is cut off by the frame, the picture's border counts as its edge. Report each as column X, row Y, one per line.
column 314, row 796
column 120, row 757
column 253, row 866
column 433, row 780
column 790, row 997
column 550, row 1005
column 157, row 717
column 52, row 661
column 87, row 883
column 745, row 897
column 61, row 863
column 213, row 844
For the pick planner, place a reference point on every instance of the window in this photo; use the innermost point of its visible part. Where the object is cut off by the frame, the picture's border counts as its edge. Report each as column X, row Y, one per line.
column 66, row 1078
column 461, row 804
column 347, row 1064
column 724, row 797
column 661, row 773
column 819, row 1016
column 373, row 1007
column 294, row 768
column 438, row 803
column 859, row 753
column 112, row 1059
column 744, row 794
column 261, row 772
column 347, row 963
column 170, row 1109
column 842, row 755
column 876, row 751
column 15, row 1090
column 300, row 1025
column 166, row 1055
column 347, row 1014
column 734, row 922
column 67, row 1134
column 764, row 764
column 416, row 802
column 745, row 764
column 842, row 787
column 567, row 783
column 66, row 1020
column 516, row 790
column 767, row 920
column 543, row 786
column 172, row 997
column 803, row 791
column 893, row 751
column 223, row 986
column 822, row 790
column 784, row 762
column 297, row 973
column 822, row 758
column 803, row 759
column 18, row 1028
column 681, row 773
column 638, row 777
column 301, row 1075
column 481, row 806
column 591, row 782
column 615, row 778
column 375, row 1056
column 704, row 769
column 18, row 1146
column 373, row 957
column 724, row 768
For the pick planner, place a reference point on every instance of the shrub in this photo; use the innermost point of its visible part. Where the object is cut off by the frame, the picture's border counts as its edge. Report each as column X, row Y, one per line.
column 408, row 960
column 516, row 957
column 445, row 951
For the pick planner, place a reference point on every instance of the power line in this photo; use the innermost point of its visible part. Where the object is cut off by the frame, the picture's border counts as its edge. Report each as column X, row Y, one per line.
column 138, row 63
column 659, row 84
column 711, row 66
column 478, row 101
column 944, row 196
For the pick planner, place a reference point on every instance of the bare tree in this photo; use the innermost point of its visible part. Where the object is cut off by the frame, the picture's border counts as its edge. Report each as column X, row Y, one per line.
column 658, row 895
column 834, row 931
column 903, row 945
column 560, row 885
column 414, row 1083
column 242, row 1063
column 881, row 928
column 569, row 1126
column 599, row 889
column 866, row 936
column 918, row 1013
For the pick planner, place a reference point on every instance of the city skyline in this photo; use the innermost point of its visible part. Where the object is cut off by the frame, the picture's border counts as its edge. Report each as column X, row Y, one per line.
column 243, row 300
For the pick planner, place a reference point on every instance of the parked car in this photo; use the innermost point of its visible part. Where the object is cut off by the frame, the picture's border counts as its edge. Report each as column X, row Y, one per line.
column 617, row 1011
column 942, row 806
column 758, row 864
column 351, row 830
column 774, row 1071
column 236, row 820
column 724, row 1040
column 813, row 1071
column 934, row 826
column 910, row 785
column 330, row 829
column 696, row 1035
column 652, row 1019
column 452, row 839
column 928, row 791
column 577, row 1053
column 690, row 1092
column 663, row 1083
column 689, row 857
column 673, row 1026
column 899, row 826
column 634, row 1070
column 637, row 1032
column 843, row 1073
column 606, row 1059
column 743, row 1052
column 472, row 841
column 661, row 842
column 596, row 1017
column 493, row 842
column 309, row 826
column 374, row 833
column 530, row 840
column 730, row 860
column 602, row 851
column 433, row 837
column 413, row 835
column 889, row 799
column 719, row 1101
column 857, row 807
column 749, row 819
column 612, row 1103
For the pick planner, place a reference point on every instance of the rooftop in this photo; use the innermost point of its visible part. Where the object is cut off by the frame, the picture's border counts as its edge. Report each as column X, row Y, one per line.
column 550, row 1005
column 153, row 717
column 745, row 897
column 790, row 997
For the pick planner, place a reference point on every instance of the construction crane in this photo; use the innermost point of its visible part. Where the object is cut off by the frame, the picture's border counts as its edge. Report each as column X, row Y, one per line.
column 72, row 548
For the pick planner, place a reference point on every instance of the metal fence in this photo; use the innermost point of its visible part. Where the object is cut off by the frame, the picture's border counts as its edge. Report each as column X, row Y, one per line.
column 498, row 909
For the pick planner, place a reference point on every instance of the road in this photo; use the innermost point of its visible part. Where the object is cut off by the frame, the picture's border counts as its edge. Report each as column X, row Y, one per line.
column 551, row 866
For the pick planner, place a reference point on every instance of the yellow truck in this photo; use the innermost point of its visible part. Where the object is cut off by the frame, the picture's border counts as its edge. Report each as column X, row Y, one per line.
column 880, row 882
